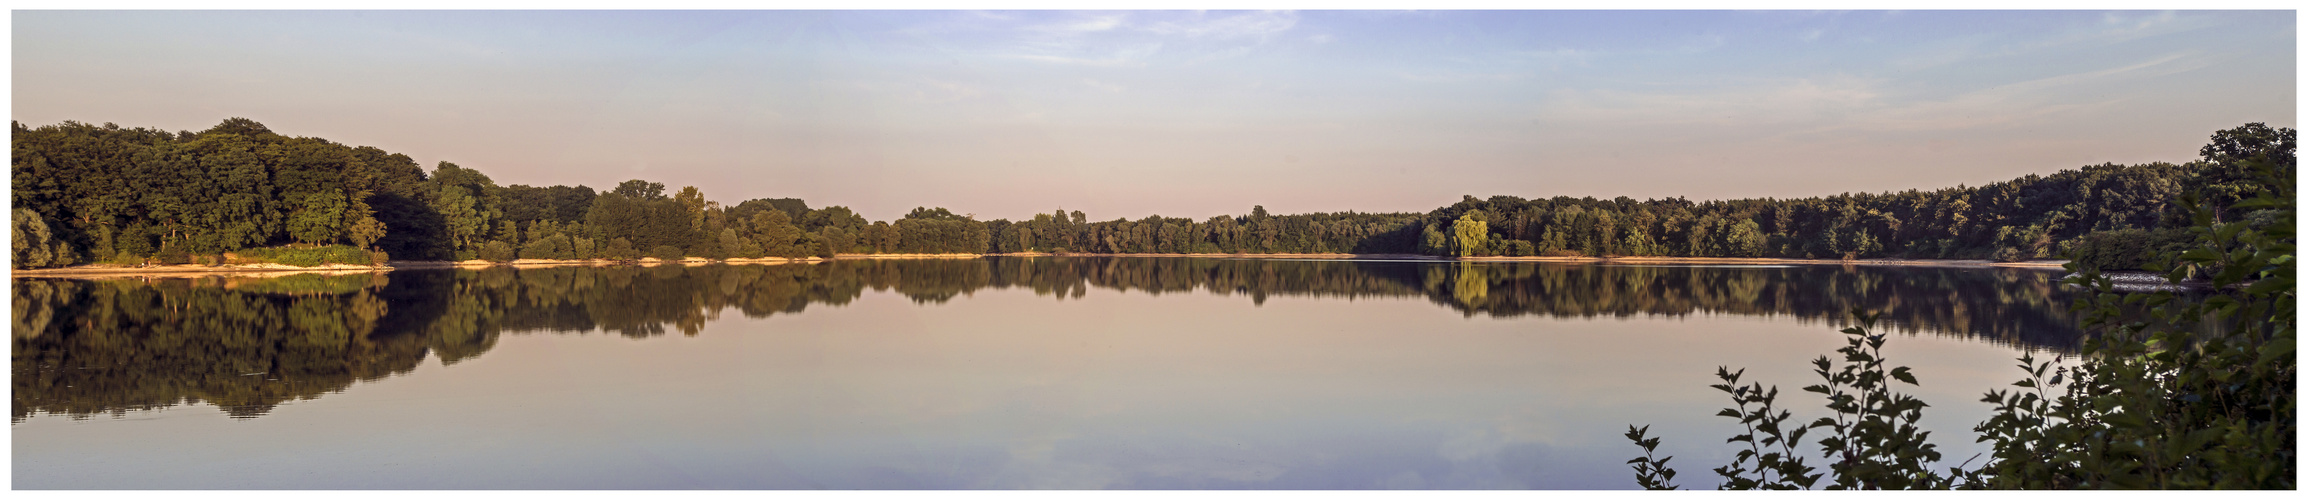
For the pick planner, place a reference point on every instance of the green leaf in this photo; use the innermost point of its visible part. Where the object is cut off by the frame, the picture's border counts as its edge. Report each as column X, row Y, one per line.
column 2269, row 286
column 2275, row 348
column 1903, row 376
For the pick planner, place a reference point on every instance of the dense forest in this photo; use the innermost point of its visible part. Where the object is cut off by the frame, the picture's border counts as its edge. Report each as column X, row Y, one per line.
column 105, row 194
column 87, row 347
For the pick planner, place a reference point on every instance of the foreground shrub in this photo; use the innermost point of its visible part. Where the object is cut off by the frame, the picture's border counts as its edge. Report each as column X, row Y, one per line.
column 2199, row 392
column 2173, row 390
column 1870, row 442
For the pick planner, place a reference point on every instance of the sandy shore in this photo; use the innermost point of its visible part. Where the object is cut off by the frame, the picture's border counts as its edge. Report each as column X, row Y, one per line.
column 251, row 270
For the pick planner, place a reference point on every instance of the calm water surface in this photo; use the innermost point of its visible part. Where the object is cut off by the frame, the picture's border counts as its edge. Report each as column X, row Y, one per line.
column 1139, row 373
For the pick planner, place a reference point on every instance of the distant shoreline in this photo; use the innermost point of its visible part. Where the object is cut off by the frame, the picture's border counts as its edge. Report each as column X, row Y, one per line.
column 193, row 270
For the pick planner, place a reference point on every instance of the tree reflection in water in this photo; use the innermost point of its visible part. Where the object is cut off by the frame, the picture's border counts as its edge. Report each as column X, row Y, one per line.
column 86, row 347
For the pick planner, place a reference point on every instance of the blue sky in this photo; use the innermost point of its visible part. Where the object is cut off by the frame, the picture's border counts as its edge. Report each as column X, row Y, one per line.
column 1130, row 113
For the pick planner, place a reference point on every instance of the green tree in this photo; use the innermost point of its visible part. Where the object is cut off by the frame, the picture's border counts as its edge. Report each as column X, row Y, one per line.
column 2226, row 175
column 497, row 251
column 583, row 248
column 1470, row 233
column 555, row 246
column 1432, row 241
column 621, row 249
column 1743, row 239
column 319, row 219
column 641, row 190
column 365, row 231
column 32, row 244
column 464, row 198
column 693, row 204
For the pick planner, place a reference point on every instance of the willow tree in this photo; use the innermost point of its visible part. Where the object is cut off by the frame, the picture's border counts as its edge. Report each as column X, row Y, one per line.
column 1470, row 233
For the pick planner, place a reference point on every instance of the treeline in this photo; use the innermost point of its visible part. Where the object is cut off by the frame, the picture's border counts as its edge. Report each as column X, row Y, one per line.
column 86, row 193
column 91, row 347
column 2032, row 217
column 83, row 193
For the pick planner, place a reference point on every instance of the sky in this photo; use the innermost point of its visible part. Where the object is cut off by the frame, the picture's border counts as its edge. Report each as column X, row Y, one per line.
column 1190, row 113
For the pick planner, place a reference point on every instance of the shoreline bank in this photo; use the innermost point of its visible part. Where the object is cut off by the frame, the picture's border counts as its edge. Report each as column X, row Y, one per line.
column 194, row 270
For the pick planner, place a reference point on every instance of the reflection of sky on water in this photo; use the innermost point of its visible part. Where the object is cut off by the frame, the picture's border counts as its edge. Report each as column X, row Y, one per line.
column 1004, row 389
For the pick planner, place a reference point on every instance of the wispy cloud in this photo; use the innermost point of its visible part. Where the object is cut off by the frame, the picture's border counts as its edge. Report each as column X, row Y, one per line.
column 2156, row 67
column 2120, row 24
column 1104, row 86
column 1820, row 104
column 1248, row 25
column 1225, row 53
column 1087, row 24
column 1133, row 39
column 1772, row 102
column 924, row 90
column 1552, row 58
column 2113, row 28
column 2019, row 101
column 1456, row 77
column 934, row 90
column 1125, row 56
column 1501, row 65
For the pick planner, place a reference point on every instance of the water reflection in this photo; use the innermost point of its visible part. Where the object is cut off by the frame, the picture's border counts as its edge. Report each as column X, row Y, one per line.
column 86, row 347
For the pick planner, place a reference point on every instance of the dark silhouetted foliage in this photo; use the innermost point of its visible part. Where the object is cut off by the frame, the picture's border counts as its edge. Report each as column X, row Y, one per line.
column 2171, row 390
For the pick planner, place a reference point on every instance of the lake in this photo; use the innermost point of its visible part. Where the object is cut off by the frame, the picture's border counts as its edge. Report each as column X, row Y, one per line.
column 996, row 372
